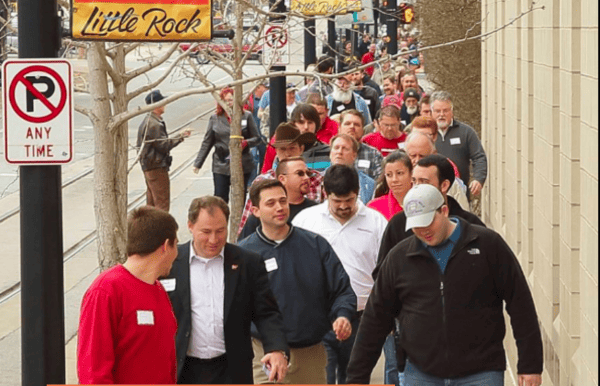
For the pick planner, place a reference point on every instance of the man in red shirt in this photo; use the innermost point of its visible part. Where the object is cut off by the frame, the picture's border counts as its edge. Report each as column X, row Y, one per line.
column 127, row 327
column 389, row 138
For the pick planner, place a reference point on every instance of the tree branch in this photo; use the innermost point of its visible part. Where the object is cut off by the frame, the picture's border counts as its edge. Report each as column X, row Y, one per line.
column 140, row 70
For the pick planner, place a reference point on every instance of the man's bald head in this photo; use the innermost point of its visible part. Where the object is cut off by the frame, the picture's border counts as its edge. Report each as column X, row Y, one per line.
column 418, row 146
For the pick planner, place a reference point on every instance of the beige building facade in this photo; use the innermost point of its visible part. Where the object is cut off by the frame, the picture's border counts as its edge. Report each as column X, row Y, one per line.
column 540, row 132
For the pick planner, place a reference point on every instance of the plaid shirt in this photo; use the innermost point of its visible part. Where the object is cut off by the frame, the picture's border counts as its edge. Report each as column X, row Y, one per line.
column 316, row 193
column 374, row 158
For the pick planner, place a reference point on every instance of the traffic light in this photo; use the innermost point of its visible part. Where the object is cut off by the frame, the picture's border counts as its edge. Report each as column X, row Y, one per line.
column 406, row 13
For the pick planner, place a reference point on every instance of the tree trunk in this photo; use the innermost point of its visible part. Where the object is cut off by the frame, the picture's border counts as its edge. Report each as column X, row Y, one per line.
column 110, row 167
column 235, row 148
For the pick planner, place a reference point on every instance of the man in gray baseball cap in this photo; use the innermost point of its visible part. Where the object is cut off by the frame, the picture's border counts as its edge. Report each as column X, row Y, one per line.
column 446, row 286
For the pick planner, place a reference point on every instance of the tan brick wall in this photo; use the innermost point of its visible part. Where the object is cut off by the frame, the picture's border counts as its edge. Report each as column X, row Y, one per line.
column 540, row 131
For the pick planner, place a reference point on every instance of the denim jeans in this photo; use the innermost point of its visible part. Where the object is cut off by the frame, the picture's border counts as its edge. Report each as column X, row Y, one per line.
column 338, row 355
column 391, row 375
column 414, row 377
column 222, row 184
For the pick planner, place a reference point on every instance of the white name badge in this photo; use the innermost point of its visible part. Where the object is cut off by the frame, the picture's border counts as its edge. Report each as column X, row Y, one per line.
column 244, row 122
column 364, row 163
column 401, row 145
column 368, row 102
column 169, row 284
column 341, row 107
column 455, row 141
column 271, row 264
column 145, row 318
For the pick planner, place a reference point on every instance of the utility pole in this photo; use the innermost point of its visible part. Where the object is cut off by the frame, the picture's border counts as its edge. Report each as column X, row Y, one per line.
column 42, row 293
column 277, row 112
column 392, row 27
column 331, row 38
column 310, row 55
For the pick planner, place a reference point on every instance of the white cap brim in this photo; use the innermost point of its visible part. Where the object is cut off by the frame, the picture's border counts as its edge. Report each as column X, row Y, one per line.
column 420, row 221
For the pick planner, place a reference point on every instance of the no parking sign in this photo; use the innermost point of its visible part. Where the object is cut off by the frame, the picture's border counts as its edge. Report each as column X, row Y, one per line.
column 38, row 111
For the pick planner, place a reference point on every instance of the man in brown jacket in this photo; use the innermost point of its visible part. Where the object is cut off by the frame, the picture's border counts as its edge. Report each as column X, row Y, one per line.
column 155, row 145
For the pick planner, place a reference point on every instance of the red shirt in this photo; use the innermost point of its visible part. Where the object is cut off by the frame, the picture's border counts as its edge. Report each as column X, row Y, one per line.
column 386, row 205
column 368, row 58
column 384, row 145
column 126, row 332
column 329, row 129
column 270, row 155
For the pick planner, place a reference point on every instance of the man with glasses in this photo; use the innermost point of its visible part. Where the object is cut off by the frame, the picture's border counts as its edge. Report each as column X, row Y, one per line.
column 295, row 177
column 389, row 138
column 289, row 142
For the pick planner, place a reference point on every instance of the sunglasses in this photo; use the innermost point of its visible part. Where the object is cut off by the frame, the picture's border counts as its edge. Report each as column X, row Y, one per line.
column 302, row 173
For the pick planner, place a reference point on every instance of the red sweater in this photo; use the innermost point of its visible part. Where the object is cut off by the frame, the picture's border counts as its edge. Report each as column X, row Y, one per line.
column 384, row 145
column 126, row 332
column 328, row 130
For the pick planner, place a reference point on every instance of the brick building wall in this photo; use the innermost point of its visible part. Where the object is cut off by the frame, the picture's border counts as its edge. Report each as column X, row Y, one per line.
column 540, row 131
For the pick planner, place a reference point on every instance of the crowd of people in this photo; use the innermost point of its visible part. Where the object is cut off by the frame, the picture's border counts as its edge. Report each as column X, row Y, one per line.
column 356, row 238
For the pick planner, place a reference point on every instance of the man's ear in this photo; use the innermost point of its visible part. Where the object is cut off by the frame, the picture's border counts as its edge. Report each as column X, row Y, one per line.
column 255, row 211
column 445, row 187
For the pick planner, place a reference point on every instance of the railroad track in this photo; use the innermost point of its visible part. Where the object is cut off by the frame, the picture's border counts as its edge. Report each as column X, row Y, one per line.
column 90, row 237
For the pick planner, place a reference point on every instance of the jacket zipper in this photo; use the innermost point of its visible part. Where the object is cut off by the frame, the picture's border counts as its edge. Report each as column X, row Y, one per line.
column 445, row 327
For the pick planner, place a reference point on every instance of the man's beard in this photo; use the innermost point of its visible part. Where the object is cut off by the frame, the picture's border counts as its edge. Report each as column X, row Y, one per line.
column 443, row 125
column 342, row 96
column 411, row 110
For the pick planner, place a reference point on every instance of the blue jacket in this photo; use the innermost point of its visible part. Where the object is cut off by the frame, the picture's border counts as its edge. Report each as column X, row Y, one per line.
column 309, row 282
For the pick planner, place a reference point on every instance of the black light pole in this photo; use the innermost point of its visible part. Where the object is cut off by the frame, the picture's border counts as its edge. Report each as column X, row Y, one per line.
column 277, row 105
column 310, row 54
column 375, row 18
column 392, row 27
column 42, row 294
column 331, row 38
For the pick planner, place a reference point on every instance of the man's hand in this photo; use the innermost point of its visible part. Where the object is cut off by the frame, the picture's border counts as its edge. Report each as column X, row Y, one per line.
column 277, row 364
column 342, row 328
column 186, row 133
column 530, row 379
column 195, row 170
column 475, row 187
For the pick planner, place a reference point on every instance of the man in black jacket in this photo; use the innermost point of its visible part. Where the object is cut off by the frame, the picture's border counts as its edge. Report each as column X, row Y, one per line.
column 446, row 285
column 217, row 290
column 434, row 170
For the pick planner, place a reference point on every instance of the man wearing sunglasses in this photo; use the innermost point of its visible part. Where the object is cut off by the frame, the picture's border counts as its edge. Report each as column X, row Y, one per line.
column 295, row 177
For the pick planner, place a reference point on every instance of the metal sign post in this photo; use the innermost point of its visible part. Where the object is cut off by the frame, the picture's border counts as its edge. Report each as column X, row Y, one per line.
column 42, row 293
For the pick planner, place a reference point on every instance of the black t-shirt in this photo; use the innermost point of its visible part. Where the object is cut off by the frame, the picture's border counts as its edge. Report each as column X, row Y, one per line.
column 252, row 223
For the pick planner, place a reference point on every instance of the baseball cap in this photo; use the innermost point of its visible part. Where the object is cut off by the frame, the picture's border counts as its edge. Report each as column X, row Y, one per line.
column 411, row 93
column 414, row 62
column 154, row 96
column 420, row 204
column 393, row 100
column 291, row 87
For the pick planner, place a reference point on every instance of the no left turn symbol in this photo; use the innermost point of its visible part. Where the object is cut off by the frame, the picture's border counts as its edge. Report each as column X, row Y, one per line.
column 37, row 94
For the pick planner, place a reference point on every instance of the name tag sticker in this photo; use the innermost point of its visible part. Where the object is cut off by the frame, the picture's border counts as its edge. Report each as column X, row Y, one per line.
column 271, row 264
column 368, row 102
column 401, row 145
column 145, row 318
column 364, row 163
column 341, row 107
column 169, row 284
column 244, row 122
column 455, row 141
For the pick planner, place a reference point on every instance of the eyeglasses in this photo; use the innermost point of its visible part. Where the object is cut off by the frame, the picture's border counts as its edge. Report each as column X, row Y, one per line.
column 301, row 173
column 389, row 126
